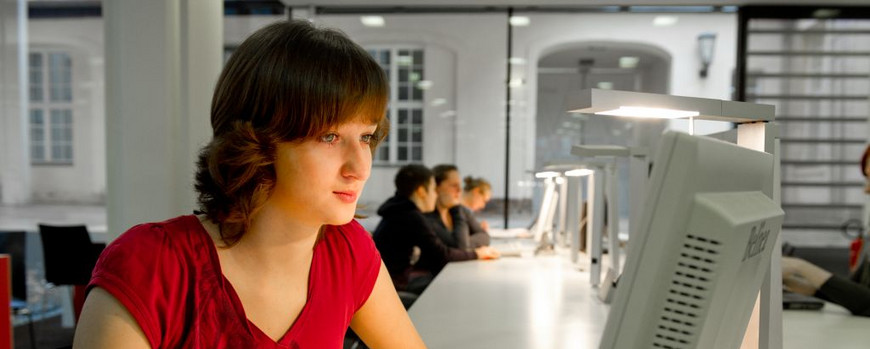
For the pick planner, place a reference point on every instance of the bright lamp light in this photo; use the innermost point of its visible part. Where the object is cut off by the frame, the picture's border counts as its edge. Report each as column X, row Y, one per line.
column 644, row 112
column 546, row 174
column 580, row 172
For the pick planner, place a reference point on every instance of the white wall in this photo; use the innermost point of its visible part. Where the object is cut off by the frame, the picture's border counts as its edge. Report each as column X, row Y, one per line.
column 465, row 59
column 85, row 180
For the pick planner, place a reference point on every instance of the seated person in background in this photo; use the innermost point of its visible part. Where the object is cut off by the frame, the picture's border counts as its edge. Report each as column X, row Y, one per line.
column 803, row 277
column 453, row 223
column 475, row 194
column 403, row 226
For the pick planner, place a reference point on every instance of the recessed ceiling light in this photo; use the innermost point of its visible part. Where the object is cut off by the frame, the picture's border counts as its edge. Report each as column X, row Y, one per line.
column 372, row 21
column 628, row 62
column 517, row 61
column 664, row 21
column 519, row 21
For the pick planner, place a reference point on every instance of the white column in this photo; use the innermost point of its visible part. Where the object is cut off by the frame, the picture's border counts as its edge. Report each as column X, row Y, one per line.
column 162, row 60
column 765, row 325
column 595, row 200
column 15, row 183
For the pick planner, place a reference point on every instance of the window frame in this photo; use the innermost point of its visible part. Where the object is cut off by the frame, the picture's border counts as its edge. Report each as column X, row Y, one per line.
column 391, row 146
column 57, row 116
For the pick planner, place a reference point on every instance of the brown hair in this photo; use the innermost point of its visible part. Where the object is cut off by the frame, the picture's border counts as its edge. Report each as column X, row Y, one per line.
column 471, row 183
column 286, row 82
column 864, row 159
column 441, row 171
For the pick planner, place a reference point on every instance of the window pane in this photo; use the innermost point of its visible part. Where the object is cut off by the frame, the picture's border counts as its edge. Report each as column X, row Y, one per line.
column 383, row 153
column 417, row 116
column 418, row 94
column 403, row 134
column 403, row 154
column 403, row 117
column 35, row 59
column 403, row 74
column 60, row 77
column 417, row 135
column 37, row 136
column 403, row 91
column 385, row 57
column 36, row 77
column 418, row 57
column 417, row 153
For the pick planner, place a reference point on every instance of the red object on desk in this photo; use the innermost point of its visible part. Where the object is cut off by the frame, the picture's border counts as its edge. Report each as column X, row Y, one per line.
column 5, row 299
column 855, row 249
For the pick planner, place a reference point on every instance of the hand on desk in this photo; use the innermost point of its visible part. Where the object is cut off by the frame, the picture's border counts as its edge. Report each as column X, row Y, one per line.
column 802, row 277
column 486, row 252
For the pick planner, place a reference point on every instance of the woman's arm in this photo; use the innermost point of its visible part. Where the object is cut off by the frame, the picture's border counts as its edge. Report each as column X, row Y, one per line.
column 106, row 323
column 382, row 321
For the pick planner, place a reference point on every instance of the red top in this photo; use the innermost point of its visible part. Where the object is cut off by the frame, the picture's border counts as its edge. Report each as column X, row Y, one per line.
column 169, row 278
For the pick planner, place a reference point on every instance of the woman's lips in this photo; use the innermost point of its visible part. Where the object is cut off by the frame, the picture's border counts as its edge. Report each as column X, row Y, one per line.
column 346, row 196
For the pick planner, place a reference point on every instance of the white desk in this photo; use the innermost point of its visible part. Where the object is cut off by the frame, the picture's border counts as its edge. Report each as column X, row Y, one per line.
column 832, row 327
column 544, row 303
column 539, row 302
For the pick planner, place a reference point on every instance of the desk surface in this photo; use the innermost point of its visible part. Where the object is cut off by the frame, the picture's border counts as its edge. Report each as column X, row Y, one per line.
column 539, row 302
column 546, row 302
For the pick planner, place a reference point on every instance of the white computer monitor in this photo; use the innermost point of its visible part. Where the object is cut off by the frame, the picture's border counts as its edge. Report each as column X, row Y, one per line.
column 695, row 268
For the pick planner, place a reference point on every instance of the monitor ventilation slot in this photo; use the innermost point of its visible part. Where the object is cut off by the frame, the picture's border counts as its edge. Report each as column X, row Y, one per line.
column 690, row 287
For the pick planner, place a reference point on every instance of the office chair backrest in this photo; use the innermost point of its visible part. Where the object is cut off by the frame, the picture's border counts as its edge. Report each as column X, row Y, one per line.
column 69, row 254
column 14, row 244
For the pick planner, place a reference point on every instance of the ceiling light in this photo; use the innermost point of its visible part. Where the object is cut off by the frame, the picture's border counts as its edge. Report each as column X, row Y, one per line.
column 515, row 83
column 664, row 21
column 653, row 113
column 519, row 21
column 517, row 61
column 628, row 62
column 605, row 85
column 372, row 21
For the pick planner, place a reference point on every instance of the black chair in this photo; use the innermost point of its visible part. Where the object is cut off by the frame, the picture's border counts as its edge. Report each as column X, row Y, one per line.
column 69, row 257
column 14, row 243
column 69, row 254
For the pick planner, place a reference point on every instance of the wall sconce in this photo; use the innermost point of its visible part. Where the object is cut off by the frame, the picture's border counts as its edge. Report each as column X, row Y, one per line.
column 706, row 44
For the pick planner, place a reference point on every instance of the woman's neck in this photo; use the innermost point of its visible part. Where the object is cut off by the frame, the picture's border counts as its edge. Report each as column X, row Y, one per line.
column 275, row 241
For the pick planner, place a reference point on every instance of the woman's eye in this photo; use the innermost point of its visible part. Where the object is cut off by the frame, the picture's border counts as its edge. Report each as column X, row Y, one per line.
column 367, row 138
column 329, row 138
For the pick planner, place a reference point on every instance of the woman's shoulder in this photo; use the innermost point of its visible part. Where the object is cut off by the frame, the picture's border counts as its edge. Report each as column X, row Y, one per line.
column 180, row 228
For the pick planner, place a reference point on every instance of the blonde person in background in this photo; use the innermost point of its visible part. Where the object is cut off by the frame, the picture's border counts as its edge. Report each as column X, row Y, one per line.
column 476, row 193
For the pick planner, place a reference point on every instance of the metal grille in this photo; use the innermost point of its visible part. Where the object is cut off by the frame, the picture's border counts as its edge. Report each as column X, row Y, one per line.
column 815, row 71
column 686, row 298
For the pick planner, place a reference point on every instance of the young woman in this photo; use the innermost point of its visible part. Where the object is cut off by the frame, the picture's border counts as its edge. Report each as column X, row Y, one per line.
column 476, row 192
column 453, row 223
column 275, row 258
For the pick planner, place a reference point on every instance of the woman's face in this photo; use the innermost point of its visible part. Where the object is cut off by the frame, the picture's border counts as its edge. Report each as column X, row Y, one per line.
column 449, row 190
column 479, row 198
column 319, row 180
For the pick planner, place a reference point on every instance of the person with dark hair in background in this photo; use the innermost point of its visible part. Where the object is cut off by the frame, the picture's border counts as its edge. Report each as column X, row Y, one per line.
column 274, row 258
column 403, row 226
column 454, row 223
column 803, row 277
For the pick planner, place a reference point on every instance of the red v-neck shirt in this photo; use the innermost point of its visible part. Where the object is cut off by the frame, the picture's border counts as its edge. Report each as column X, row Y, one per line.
column 169, row 278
